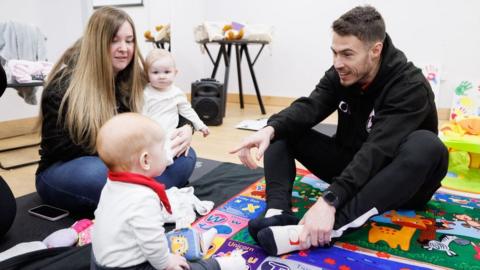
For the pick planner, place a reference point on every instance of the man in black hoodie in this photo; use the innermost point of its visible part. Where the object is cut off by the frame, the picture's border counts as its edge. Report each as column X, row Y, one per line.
column 385, row 154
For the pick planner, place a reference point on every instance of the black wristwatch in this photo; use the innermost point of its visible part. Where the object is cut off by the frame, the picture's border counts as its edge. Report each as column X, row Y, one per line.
column 330, row 198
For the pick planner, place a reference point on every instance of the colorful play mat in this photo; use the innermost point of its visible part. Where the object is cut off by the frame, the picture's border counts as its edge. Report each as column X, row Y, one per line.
column 449, row 235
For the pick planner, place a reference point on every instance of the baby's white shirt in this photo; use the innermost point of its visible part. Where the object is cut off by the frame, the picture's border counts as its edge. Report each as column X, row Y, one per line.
column 165, row 106
column 128, row 227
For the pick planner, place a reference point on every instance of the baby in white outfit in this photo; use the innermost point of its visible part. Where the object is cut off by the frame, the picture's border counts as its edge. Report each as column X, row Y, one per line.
column 164, row 101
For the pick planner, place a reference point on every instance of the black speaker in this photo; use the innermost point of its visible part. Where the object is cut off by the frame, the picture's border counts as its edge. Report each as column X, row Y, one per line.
column 208, row 100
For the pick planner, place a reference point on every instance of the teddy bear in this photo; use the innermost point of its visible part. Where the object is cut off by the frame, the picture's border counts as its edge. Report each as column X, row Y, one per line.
column 471, row 124
column 233, row 31
column 148, row 35
column 161, row 32
column 464, row 125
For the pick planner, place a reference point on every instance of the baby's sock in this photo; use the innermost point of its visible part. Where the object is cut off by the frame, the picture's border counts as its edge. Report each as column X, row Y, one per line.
column 233, row 262
column 273, row 217
column 278, row 240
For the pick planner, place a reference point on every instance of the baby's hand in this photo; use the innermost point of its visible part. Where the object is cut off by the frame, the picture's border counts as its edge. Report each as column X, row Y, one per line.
column 205, row 131
column 176, row 262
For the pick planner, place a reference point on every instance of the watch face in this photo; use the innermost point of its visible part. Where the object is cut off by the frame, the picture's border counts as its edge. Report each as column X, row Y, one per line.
column 330, row 198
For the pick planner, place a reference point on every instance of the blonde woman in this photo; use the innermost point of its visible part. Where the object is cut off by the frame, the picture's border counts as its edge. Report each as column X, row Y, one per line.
column 100, row 76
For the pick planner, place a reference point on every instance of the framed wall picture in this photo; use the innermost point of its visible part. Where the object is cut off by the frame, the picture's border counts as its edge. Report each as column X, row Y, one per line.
column 117, row 3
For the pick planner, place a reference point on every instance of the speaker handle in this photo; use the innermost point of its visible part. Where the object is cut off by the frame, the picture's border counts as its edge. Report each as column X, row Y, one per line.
column 204, row 93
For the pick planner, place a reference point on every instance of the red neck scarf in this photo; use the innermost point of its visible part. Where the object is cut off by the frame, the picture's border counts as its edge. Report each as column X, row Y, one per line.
column 135, row 178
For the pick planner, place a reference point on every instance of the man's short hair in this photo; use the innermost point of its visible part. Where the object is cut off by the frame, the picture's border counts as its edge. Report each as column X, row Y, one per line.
column 363, row 22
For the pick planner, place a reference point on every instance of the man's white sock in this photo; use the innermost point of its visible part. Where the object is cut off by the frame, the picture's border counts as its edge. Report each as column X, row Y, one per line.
column 273, row 212
column 278, row 240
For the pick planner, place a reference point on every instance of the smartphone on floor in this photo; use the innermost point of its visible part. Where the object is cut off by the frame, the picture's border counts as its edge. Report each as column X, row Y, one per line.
column 48, row 212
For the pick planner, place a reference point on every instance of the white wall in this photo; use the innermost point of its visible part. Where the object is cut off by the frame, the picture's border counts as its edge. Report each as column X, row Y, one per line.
column 443, row 32
column 429, row 31
column 61, row 21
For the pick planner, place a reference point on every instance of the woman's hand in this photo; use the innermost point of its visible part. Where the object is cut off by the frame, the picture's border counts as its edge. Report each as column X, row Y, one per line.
column 181, row 139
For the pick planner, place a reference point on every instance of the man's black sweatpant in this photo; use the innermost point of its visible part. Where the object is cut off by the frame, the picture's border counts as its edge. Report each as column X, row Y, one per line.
column 407, row 182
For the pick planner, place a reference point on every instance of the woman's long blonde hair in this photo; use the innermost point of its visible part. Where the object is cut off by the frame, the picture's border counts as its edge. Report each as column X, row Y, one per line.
column 90, row 98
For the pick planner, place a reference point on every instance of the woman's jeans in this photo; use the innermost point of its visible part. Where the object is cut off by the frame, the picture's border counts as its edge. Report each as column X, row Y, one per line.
column 76, row 185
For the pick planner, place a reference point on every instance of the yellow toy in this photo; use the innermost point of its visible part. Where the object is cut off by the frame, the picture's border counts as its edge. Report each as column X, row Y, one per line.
column 161, row 33
column 462, row 137
column 233, row 31
column 148, row 35
column 471, row 124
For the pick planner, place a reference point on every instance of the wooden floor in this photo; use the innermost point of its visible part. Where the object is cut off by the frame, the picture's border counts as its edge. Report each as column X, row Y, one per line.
column 216, row 146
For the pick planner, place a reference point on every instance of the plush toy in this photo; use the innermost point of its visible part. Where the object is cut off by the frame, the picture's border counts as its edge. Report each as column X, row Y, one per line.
column 471, row 124
column 233, row 31
column 452, row 129
column 161, row 32
column 465, row 125
column 79, row 233
column 84, row 229
column 148, row 35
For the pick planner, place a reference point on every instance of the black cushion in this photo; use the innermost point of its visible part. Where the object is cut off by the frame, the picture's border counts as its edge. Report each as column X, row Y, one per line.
column 8, row 207
column 3, row 80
